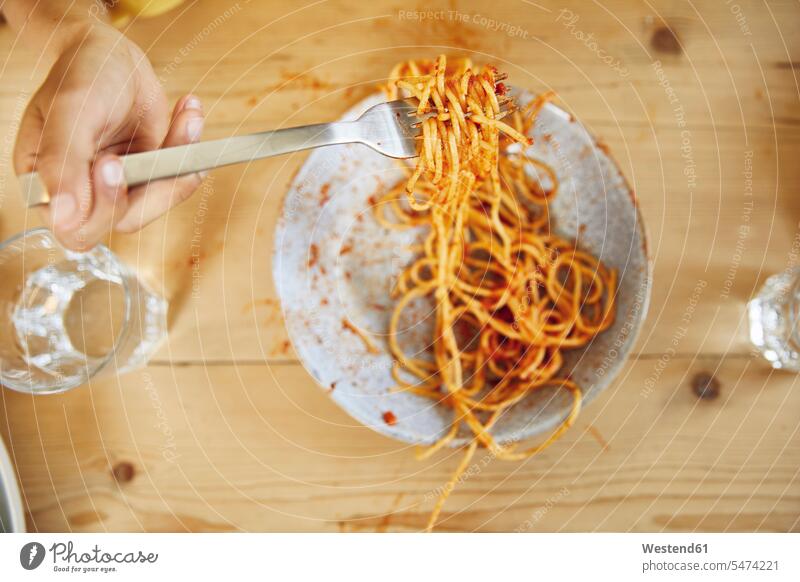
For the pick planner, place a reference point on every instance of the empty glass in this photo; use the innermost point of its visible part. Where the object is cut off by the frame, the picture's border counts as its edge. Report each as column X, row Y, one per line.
column 66, row 317
column 774, row 316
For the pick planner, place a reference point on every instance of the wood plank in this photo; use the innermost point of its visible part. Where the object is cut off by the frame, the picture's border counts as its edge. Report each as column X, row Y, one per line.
column 253, row 61
column 259, row 448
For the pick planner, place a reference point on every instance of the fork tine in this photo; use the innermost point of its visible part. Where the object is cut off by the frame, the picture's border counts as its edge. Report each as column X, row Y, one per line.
column 393, row 129
column 504, row 101
column 504, row 112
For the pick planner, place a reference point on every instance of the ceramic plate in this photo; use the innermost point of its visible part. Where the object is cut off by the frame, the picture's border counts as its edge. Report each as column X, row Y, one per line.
column 333, row 262
column 12, row 516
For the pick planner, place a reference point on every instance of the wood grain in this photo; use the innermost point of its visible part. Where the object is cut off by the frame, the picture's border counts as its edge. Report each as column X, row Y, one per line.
column 257, row 446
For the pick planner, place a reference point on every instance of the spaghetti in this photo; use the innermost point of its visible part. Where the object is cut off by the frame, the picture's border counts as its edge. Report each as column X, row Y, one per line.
column 510, row 296
column 362, row 335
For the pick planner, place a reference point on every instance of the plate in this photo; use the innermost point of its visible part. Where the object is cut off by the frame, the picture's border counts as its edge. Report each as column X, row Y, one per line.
column 334, row 263
column 12, row 515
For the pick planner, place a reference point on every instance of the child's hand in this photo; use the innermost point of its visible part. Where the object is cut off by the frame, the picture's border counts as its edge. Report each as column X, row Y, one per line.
column 100, row 100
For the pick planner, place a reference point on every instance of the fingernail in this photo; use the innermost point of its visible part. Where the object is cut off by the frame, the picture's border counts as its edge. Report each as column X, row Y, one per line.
column 112, row 173
column 193, row 103
column 193, row 128
column 203, row 174
column 63, row 209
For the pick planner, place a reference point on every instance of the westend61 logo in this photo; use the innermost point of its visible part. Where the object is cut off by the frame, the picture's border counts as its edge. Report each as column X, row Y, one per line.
column 66, row 559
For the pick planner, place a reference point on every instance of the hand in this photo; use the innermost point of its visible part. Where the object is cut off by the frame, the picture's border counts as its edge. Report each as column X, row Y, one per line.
column 100, row 100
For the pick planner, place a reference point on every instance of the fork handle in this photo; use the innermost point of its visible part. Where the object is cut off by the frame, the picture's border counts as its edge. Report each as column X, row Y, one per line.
column 145, row 167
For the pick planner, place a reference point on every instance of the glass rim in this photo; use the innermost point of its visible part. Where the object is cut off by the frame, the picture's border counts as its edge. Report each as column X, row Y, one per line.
column 124, row 272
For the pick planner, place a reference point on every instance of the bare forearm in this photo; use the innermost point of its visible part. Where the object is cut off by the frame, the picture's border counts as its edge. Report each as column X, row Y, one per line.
column 49, row 25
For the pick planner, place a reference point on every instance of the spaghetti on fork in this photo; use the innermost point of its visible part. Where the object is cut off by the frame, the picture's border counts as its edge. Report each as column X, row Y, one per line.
column 510, row 296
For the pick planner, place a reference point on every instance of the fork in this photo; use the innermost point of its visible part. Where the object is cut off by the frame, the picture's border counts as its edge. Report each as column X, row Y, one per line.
column 390, row 128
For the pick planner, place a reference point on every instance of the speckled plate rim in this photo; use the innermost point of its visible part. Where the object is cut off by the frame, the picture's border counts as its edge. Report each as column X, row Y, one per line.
column 10, row 495
column 532, row 429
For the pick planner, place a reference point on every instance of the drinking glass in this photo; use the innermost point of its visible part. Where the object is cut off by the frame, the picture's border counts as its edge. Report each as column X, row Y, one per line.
column 66, row 317
column 774, row 317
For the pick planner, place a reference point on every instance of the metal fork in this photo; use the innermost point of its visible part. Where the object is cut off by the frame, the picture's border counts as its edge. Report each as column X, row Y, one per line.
column 390, row 128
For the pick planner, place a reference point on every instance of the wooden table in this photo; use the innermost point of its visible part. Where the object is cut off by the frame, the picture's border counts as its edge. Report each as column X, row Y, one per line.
column 225, row 430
